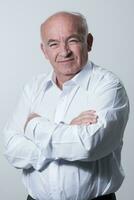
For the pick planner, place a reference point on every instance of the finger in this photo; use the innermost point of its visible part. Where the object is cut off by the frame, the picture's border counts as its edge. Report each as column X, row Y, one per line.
column 85, row 117
column 88, row 114
column 87, row 120
column 34, row 115
column 88, row 111
column 83, row 121
column 88, row 117
column 75, row 122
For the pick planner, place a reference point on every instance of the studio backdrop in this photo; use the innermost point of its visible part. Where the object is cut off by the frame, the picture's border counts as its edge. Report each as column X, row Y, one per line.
column 111, row 24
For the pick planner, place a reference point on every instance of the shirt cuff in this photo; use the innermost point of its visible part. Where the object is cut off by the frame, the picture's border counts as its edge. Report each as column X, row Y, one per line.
column 30, row 128
column 43, row 130
column 40, row 130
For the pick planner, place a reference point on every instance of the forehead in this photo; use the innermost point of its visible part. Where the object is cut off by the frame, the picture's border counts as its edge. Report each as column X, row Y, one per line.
column 61, row 25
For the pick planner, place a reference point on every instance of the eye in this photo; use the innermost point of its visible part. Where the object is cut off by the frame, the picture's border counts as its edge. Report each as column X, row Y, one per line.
column 74, row 40
column 54, row 44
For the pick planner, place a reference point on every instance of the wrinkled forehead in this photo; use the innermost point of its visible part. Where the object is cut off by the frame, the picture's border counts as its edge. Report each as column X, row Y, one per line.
column 64, row 22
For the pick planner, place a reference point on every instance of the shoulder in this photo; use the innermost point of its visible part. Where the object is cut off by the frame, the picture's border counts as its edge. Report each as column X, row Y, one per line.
column 103, row 74
column 107, row 87
column 102, row 77
column 36, row 84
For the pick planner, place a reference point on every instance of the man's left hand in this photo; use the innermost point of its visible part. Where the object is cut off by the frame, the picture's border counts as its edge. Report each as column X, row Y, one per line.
column 30, row 117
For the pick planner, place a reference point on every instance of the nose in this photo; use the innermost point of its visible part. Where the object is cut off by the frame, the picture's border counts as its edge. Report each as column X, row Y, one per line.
column 65, row 51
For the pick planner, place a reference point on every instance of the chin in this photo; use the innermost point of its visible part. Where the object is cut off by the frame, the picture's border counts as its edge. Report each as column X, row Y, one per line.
column 71, row 73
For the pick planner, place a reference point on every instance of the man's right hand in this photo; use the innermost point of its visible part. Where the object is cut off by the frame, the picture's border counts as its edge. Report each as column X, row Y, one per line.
column 85, row 118
column 30, row 117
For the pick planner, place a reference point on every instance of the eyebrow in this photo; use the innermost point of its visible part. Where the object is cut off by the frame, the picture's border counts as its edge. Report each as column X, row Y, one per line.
column 51, row 40
column 77, row 36
column 81, row 37
column 74, row 35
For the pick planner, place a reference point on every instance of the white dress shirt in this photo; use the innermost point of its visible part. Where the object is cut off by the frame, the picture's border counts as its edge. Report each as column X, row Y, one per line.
column 69, row 162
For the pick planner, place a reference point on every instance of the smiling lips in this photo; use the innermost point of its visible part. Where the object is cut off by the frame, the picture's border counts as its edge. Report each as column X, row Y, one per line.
column 65, row 60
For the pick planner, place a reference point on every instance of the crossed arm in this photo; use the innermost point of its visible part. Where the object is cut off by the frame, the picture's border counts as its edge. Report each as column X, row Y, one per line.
column 85, row 118
column 88, row 137
column 22, row 152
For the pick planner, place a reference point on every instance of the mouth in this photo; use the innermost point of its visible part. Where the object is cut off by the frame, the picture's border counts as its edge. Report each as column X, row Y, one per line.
column 66, row 60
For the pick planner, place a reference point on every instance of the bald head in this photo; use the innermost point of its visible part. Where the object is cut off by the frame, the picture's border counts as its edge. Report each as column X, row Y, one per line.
column 77, row 19
column 66, row 43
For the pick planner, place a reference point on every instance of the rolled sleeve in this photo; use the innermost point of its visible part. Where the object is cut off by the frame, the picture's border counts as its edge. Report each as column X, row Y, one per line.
column 92, row 142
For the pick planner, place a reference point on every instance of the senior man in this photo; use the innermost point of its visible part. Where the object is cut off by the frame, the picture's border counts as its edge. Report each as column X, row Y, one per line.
column 67, row 131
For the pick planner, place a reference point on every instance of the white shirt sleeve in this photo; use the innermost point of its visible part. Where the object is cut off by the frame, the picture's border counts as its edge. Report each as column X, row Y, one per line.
column 20, row 151
column 86, row 143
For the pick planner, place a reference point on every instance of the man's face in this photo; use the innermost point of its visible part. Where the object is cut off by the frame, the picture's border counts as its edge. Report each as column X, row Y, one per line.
column 65, row 46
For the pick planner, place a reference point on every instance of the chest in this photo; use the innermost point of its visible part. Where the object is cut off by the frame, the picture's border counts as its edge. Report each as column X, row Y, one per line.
column 57, row 106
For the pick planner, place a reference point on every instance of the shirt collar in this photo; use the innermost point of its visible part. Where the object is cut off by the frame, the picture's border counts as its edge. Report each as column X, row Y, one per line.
column 50, row 79
column 81, row 79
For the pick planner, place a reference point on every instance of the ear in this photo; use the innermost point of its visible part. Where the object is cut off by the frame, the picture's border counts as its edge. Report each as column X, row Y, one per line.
column 44, row 50
column 89, row 41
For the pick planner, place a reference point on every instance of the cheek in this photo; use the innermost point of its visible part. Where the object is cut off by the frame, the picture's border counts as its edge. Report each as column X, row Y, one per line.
column 79, row 51
column 81, row 55
column 51, row 56
column 84, row 53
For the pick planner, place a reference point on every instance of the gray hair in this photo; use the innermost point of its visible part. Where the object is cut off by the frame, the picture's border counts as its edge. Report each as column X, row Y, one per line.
column 82, row 20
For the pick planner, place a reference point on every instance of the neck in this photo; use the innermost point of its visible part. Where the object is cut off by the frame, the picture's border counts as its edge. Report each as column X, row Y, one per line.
column 61, row 80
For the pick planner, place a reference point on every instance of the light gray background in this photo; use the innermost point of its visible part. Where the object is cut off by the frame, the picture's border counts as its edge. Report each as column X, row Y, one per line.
column 111, row 23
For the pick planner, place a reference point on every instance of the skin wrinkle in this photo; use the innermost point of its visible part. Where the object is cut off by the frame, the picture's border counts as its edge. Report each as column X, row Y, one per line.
column 81, row 22
column 65, row 43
